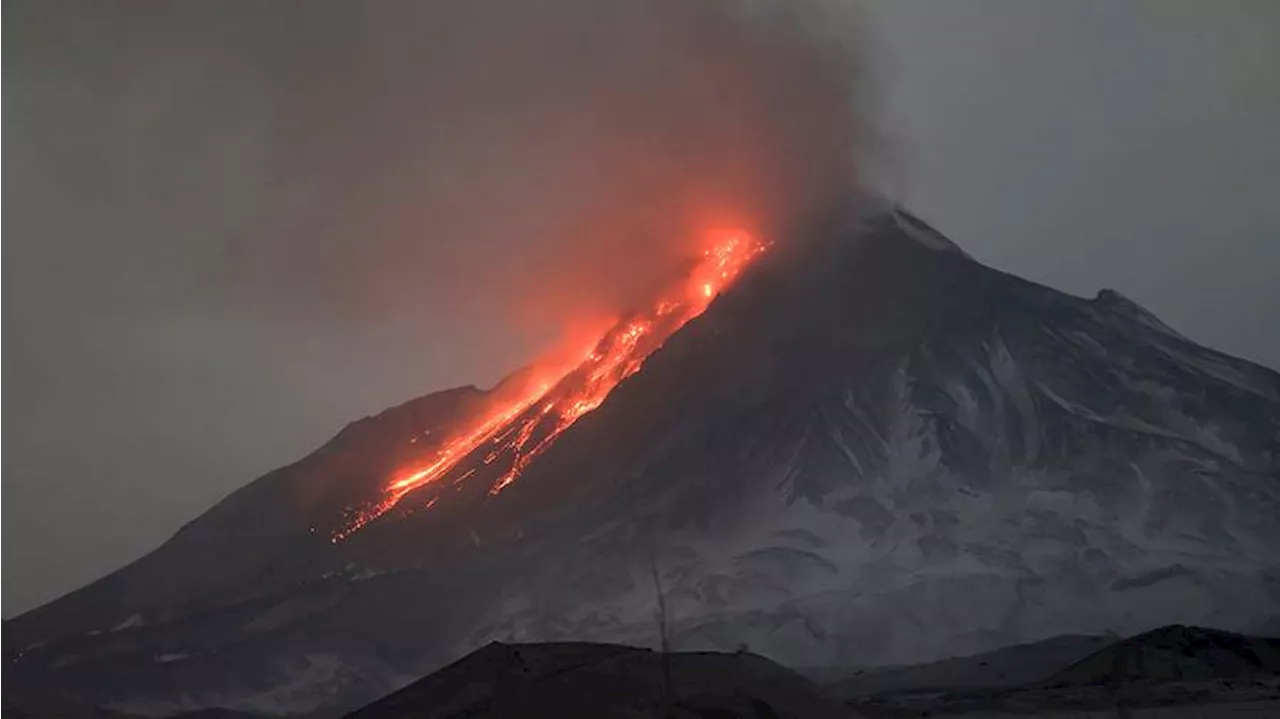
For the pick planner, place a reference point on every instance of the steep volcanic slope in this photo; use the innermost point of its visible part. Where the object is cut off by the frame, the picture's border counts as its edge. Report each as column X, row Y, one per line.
column 863, row 438
column 871, row 448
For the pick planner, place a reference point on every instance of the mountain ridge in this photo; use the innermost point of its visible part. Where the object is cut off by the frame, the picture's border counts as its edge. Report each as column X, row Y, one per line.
column 863, row 427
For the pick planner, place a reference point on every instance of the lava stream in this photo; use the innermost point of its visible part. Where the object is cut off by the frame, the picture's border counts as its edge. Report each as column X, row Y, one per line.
column 523, row 426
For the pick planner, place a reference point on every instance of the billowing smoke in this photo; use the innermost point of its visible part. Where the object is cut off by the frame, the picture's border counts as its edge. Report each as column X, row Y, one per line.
column 239, row 225
column 530, row 165
column 513, row 166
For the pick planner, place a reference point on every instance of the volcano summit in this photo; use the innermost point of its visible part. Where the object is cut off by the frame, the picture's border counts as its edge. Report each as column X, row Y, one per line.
column 860, row 446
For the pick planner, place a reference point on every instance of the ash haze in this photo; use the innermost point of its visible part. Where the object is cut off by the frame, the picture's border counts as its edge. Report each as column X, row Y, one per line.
column 239, row 226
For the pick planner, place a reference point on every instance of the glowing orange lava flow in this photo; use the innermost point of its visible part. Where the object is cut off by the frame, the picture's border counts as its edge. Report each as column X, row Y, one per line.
column 516, row 431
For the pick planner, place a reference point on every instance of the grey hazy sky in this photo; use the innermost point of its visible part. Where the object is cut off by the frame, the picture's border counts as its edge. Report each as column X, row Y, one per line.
column 218, row 211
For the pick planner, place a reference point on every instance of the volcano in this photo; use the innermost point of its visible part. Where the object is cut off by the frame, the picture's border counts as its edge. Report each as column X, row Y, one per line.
column 857, row 446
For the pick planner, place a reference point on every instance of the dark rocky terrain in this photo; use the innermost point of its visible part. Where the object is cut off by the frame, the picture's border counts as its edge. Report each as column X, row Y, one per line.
column 872, row 449
column 47, row 707
column 602, row 680
column 1174, row 666
column 1177, row 654
column 1005, row 667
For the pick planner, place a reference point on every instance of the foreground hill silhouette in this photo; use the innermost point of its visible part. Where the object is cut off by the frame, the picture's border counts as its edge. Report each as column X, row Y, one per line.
column 589, row 681
column 1207, row 671
column 1178, row 654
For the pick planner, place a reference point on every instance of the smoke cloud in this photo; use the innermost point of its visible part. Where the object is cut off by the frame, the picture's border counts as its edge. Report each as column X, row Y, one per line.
column 511, row 165
column 241, row 225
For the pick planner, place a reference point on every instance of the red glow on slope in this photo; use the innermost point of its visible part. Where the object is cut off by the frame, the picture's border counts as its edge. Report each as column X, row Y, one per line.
column 520, row 427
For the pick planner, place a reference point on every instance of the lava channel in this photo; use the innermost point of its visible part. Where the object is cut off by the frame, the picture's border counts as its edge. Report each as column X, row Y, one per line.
column 521, row 427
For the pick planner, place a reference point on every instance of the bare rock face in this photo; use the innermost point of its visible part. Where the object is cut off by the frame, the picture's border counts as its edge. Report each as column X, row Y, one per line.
column 870, row 449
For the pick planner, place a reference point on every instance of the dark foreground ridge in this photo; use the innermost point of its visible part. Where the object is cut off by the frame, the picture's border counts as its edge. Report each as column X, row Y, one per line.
column 1171, row 666
column 1178, row 653
column 597, row 681
column 1006, row 667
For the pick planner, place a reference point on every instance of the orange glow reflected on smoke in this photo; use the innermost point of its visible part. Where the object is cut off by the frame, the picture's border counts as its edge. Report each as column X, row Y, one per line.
column 520, row 426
